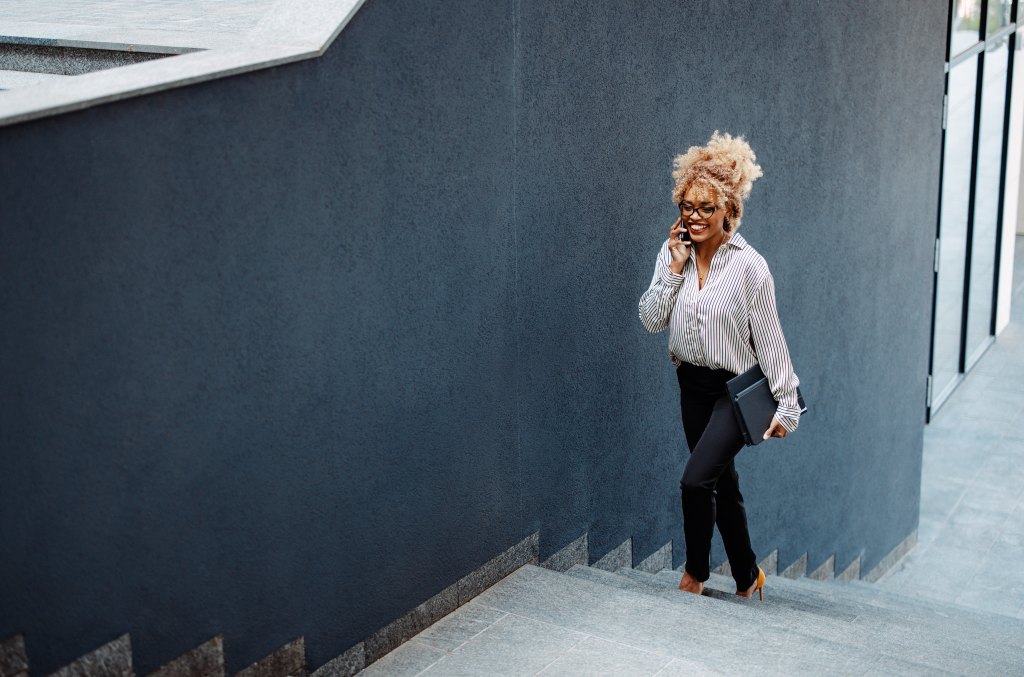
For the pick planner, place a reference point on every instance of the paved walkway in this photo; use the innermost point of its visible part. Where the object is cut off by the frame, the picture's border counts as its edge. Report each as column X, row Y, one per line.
column 971, row 535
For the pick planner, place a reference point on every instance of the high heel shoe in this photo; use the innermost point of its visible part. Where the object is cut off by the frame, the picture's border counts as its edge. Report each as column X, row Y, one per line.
column 759, row 586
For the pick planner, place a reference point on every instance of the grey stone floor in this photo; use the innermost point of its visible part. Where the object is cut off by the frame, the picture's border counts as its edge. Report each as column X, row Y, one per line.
column 971, row 534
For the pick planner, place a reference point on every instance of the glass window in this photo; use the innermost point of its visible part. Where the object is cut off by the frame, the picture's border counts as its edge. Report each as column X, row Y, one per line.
column 956, row 183
column 965, row 29
column 986, row 198
column 998, row 15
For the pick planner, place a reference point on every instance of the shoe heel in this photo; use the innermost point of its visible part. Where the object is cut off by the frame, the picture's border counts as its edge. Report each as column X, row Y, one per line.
column 760, row 584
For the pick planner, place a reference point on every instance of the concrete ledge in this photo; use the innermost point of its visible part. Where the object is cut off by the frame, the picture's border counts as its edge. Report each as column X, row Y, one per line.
column 166, row 42
column 287, row 33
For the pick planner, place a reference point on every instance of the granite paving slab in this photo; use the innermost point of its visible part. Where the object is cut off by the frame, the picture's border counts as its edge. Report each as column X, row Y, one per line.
column 459, row 626
column 408, row 659
column 593, row 656
column 683, row 667
column 512, row 645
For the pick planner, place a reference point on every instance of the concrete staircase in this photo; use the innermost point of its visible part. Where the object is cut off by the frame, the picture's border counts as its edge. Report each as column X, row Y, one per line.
column 587, row 620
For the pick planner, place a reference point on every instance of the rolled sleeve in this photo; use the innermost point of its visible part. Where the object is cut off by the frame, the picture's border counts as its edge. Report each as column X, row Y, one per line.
column 656, row 303
column 773, row 354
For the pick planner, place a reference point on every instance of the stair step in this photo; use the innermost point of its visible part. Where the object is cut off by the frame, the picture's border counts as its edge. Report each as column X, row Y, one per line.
column 862, row 593
column 883, row 595
column 863, row 602
column 586, row 620
column 792, row 637
column 657, row 627
column 636, row 581
column 853, row 622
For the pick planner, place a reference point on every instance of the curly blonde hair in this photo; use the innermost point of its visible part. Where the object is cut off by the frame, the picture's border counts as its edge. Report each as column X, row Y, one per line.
column 726, row 166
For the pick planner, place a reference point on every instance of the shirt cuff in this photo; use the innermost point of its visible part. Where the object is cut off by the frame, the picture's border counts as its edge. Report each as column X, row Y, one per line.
column 789, row 418
column 670, row 278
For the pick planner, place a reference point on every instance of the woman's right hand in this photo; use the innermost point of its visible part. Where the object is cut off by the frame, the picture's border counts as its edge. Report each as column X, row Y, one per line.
column 680, row 249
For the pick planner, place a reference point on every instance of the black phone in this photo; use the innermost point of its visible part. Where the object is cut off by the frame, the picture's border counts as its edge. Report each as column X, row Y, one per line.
column 685, row 235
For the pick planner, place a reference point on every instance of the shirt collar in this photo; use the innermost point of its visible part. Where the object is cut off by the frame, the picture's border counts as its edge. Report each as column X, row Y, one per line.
column 736, row 240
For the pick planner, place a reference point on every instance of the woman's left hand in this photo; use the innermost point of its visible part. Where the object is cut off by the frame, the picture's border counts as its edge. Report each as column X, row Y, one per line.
column 776, row 429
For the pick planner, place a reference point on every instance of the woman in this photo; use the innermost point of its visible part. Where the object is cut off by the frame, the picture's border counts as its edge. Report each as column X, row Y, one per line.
column 717, row 296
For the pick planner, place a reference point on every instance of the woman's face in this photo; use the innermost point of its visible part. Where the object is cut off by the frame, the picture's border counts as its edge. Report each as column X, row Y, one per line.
column 704, row 228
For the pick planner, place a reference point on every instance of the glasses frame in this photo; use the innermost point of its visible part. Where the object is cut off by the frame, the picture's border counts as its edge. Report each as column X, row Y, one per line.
column 701, row 210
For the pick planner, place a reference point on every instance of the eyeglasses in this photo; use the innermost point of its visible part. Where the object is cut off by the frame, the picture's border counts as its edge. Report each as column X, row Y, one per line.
column 707, row 211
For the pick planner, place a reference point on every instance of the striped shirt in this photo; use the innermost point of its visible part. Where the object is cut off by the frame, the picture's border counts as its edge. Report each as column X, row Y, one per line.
column 732, row 323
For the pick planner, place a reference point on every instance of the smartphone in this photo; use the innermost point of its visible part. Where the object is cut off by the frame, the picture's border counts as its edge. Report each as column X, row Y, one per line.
column 685, row 235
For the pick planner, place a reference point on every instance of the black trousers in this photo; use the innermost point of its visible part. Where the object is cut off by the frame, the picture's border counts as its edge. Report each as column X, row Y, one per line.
column 710, row 484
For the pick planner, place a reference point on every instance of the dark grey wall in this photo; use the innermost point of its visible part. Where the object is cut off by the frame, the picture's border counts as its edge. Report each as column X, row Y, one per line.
column 289, row 352
column 843, row 106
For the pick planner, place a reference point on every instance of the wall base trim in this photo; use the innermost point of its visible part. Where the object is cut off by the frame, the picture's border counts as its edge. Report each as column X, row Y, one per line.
column 13, row 659
column 205, row 659
column 826, row 571
column 657, row 560
column 113, row 659
column 890, row 560
column 618, row 557
column 576, row 552
column 797, row 568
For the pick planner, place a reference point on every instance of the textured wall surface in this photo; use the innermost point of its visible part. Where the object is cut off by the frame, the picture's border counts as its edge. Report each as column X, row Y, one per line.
column 287, row 353
column 842, row 105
